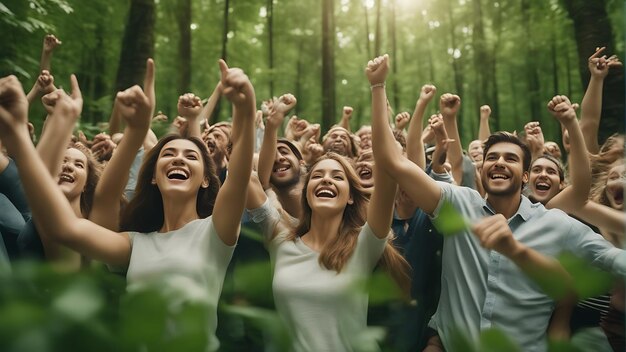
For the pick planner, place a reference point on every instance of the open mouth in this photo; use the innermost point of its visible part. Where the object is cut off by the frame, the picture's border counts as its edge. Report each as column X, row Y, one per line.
column 282, row 168
column 65, row 178
column 617, row 192
column 325, row 193
column 178, row 174
column 365, row 173
column 498, row 176
column 211, row 145
column 542, row 186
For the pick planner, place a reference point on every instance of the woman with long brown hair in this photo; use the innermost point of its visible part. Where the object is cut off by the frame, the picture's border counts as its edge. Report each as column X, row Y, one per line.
column 179, row 245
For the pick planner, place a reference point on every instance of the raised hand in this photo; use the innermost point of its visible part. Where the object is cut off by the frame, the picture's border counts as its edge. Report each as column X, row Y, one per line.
column 485, row 111
column 13, row 106
column 377, row 70
column 449, row 104
column 347, row 112
column 402, row 120
column 284, row 104
column 49, row 100
column 71, row 105
column 562, row 109
column 134, row 107
column 189, row 105
column 428, row 92
column 599, row 65
column 50, row 42
column 103, row 146
column 296, row 128
column 441, row 139
column 236, row 86
column 45, row 82
column 148, row 85
column 534, row 138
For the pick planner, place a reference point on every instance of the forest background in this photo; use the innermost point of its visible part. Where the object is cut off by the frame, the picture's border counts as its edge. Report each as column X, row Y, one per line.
column 510, row 54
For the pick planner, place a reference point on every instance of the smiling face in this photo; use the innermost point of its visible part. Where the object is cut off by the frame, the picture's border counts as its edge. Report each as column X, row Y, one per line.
column 338, row 140
column 73, row 176
column 544, row 180
column 328, row 188
column 365, row 169
column 286, row 171
column 179, row 168
column 503, row 170
column 475, row 151
column 614, row 190
column 217, row 141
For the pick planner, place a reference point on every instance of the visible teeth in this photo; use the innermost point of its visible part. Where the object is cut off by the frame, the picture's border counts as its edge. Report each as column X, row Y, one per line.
column 281, row 169
column 501, row 176
column 66, row 178
column 176, row 172
column 325, row 193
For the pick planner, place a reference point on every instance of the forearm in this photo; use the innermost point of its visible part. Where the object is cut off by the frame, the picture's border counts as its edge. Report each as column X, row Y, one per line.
column 591, row 107
column 53, row 143
column 193, row 127
column 414, row 143
column 267, row 154
column 115, row 122
column 455, row 151
column 44, row 63
column 380, row 207
column 345, row 122
column 32, row 95
column 483, row 129
column 602, row 216
column 207, row 110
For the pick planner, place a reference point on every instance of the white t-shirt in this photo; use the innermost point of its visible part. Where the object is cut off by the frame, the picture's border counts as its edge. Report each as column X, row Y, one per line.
column 188, row 265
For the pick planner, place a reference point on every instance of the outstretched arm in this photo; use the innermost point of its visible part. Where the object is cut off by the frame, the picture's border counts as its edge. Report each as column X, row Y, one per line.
column 50, row 42
column 414, row 143
column 190, row 108
column 134, row 107
column 449, row 105
column 576, row 195
column 275, row 119
column 345, row 117
column 48, row 204
column 410, row 177
column 483, row 128
column 231, row 198
column 602, row 216
column 207, row 111
column 591, row 106
column 43, row 85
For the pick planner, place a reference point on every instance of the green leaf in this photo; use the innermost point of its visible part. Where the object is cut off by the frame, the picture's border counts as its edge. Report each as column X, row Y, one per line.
column 494, row 340
column 588, row 281
column 562, row 346
column 450, row 222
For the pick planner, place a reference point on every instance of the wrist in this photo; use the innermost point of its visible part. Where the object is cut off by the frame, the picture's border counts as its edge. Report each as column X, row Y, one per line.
column 377, row 85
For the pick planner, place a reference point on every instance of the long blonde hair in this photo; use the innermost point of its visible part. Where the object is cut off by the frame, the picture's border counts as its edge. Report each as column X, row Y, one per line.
column 338, row 250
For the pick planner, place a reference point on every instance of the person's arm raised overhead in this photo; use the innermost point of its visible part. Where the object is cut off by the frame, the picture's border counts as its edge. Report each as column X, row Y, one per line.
column 47, row 202
column 190, row 107
column 231, row 198
column 483, row 128
column 209, row 107
column 134, row 107
column 575, row 195
column 43, row 85
column 534, row 139
column 591, row 106
column 449, row 105
column 345, row 117
column 275, row 119
column 410, row 177
column 414, row 143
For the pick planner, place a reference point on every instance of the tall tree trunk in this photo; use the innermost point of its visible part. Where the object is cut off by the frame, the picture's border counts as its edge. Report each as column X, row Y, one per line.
column 379, row 35
column 367, row 33
column 592, row 29
column 328, row 64
column 137, row 45
column 534, row 90
column 299, row 73
column 394, row 53
column 456, row 66
column 225, row 29
column 183, row 19
column 270, row 39
column 495, row 107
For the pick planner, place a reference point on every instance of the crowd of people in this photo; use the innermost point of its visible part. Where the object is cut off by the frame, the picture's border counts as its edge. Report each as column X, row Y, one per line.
column 168, row 212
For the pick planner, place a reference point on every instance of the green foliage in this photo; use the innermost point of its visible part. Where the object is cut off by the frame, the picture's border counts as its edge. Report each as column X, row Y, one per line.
column 587, row 281
column 450, row 222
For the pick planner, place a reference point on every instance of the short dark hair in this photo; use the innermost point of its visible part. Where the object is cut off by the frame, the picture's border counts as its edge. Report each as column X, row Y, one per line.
column 506, row 137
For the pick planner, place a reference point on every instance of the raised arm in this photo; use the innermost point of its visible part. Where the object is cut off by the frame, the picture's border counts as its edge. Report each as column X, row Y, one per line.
column 534, row 139
column 577, row 193
column 410, row 177
column 43, row 85
column 50, row 42
column 602, row 216
column 190, row 107
column 275, row 119
column 591, row 106
column 345, row 117
column 134, row 107
column 207, row 111
column 441, row 146
column 231, row 198
column 483, row 128
column 449, row 105
column 48, row 204
column 414, row 143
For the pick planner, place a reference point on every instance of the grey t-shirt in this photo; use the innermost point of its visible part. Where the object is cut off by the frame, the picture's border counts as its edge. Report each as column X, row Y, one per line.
column 188, row 265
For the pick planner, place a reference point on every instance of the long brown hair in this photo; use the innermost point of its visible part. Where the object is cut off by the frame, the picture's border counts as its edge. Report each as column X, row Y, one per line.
column 94, row 171
column 144, row 213
column 338, row 250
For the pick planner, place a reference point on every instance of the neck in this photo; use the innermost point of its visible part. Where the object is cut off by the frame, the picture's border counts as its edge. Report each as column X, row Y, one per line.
column 506, row 205
column 177, row 213
column 75, row 203
column 291, row 200
column 323, row 228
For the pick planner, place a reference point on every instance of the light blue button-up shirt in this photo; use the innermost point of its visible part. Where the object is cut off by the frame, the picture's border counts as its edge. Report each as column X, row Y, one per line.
column 481, row 289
